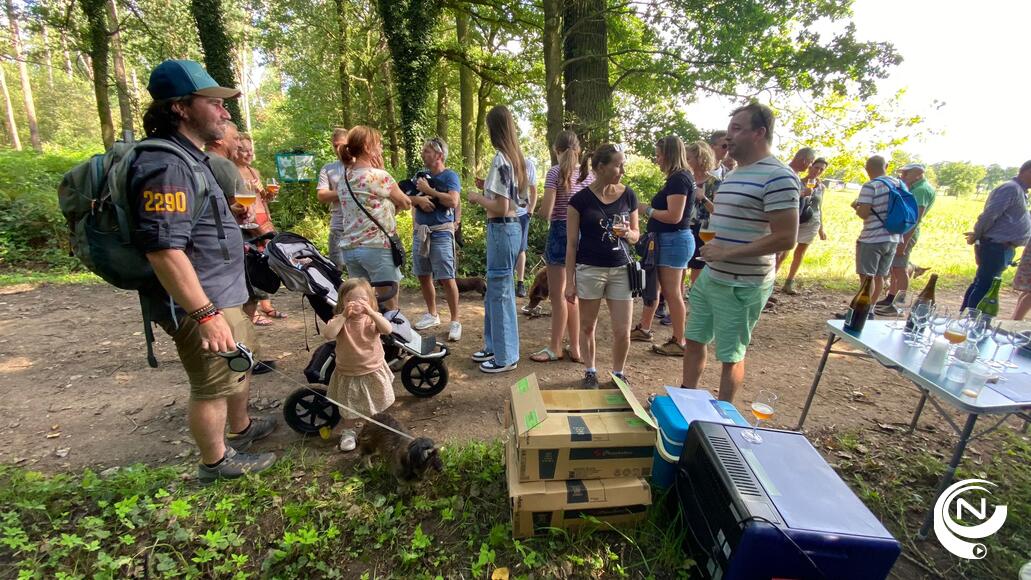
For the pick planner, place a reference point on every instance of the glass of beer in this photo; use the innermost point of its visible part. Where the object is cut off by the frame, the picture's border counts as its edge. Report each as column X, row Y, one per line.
column 272, row 188
column 619, row 228
column 762, row 410
column 247, row 198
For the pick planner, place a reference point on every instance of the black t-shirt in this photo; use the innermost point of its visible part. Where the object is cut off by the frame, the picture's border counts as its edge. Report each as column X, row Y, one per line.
column 598, row 246
column 680, row 183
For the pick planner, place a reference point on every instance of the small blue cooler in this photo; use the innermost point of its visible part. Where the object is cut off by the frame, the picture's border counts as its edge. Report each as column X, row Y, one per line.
column 672, row 431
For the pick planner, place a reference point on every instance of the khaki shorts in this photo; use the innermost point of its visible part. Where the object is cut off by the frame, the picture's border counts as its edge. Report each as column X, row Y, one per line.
column 596, row 282
column 902, row 260
column 209, row 374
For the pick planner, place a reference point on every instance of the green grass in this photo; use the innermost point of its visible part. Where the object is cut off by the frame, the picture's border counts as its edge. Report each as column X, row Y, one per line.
column 308, row 516
column 941, row 247
column 20, row 276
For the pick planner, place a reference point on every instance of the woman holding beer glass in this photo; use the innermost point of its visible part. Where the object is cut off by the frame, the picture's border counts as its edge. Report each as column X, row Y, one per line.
column 602, row 223
column 807, row 232
column 702, row 161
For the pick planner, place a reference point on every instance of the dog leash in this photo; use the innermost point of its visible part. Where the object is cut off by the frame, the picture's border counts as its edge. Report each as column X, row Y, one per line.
column 341, row 405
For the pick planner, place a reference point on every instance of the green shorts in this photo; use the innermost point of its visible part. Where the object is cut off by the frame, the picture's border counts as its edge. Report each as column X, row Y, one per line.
column 726, row 314
column 209, row 374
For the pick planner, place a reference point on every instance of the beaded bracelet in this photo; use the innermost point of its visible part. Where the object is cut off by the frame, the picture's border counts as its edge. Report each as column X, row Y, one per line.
column 204, row 311
column 208, row 318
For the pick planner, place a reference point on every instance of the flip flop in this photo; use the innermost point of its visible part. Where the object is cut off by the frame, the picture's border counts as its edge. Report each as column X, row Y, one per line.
column 274, row 313
column 544, row 355
column 569, row 354
column 260, row 320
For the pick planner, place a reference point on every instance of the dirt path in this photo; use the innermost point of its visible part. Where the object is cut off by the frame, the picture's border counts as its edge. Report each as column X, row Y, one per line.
column 75, row 389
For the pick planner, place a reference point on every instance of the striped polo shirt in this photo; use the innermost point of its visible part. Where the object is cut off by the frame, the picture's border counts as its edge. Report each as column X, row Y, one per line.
column 744, row 198
column 875, row 194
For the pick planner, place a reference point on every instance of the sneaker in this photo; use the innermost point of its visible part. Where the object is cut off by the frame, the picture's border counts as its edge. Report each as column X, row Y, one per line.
column 886, row 301
column 347, row 441
column 638, row 334
column 454, row 333
column 670, row 348
column 789, row 288
column 427, row 321
column 621, row 377
column 666, row 320
column 772, row 299
column 492, row 366
column 482, row 356
column 265, row 366
column 260, row 428
column 590, row 380
column 661, row 312
column 520, row 290
column 235, row 464
column 885, row 310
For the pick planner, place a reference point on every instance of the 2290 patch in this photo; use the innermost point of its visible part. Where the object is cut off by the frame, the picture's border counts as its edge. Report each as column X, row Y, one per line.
column 164, row 202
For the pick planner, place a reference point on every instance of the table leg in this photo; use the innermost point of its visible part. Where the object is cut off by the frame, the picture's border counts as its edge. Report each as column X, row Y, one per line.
column 919, row 410
column 950, row 473
column 816, row 381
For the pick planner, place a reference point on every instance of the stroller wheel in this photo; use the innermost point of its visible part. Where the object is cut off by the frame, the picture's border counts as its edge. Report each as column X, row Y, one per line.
column 424, row 378
column 306, row 412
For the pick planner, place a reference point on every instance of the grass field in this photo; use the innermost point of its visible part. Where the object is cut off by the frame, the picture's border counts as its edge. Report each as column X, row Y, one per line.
column 942, row 247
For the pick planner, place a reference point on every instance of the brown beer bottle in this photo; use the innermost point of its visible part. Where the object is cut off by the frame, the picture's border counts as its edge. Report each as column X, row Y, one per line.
column 859, row 308
column 926, row 297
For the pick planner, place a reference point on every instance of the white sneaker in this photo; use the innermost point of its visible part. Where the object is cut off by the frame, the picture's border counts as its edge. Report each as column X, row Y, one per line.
column 347, row 441
column 427, row 321
column 455, row 333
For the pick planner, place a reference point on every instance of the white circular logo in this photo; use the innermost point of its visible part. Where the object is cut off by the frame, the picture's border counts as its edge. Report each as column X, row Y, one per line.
column 951, row 534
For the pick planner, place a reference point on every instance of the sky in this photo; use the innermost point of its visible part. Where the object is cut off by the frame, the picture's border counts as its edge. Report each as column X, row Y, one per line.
column 971, row 56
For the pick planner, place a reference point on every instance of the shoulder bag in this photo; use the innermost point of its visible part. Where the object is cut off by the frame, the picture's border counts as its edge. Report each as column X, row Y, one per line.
column 635, row 273
column 397, row 249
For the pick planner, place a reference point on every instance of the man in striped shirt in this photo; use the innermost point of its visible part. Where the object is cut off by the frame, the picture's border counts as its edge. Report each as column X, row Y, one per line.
column 875, row 248
column 756, row 216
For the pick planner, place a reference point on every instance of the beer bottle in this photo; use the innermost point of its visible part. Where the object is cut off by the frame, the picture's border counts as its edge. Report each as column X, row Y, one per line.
column 926, row 296
column 989, row 305
column 859, row 308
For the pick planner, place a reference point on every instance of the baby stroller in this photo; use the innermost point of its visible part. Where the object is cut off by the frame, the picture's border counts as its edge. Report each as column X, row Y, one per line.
column 300, row 267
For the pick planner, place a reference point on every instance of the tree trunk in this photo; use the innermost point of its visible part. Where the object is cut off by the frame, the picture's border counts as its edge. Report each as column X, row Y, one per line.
column 124, row 100
column 23, row 73
column 67, row 55
column 44, row 34
column 245, row 83
column 96, row 11
column 466, row 89
column 481, row 114
column 342, row 68
column 552, row 38
column 391, row 111
column 588, row 96
column 442, row 106
column 9, row 122
column 217, row 47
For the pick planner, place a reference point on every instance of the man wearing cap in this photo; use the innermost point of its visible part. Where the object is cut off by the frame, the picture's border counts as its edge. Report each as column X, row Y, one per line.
column 912, row 175
column 185, row 227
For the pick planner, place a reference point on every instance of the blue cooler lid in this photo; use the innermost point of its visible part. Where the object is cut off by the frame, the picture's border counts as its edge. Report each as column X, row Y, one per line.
column 670, row 421
column 699, row 405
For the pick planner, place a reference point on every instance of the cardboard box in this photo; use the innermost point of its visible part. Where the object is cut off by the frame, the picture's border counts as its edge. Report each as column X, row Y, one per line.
column 584, row 401
column 538, row 505
column 588, row 444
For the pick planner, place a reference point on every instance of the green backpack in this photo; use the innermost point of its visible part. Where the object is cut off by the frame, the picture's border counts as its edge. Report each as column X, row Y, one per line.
column 95, row 201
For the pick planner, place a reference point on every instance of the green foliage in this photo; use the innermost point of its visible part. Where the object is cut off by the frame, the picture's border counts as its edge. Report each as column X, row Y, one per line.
column 218, row 48
column 995, row 175
column 959, row 177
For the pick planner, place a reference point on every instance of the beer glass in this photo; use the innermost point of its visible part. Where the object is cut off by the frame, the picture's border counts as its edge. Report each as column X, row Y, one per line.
column 762, row 410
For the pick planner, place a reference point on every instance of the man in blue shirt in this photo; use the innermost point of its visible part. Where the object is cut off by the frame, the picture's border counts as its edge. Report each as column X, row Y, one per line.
column 1000, row 229
column 433, row 247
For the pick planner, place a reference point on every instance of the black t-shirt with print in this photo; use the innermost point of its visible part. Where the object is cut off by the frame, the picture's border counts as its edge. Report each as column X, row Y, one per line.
column 680, row 183
column 598, row 246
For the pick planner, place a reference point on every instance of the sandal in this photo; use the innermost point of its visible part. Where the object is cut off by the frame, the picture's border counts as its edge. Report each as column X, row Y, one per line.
column 569, row 354
column 260, row 320
column 274, row 313
column 544, row 355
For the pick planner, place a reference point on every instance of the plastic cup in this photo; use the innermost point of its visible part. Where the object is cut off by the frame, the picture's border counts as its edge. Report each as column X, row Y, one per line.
column 977, row 376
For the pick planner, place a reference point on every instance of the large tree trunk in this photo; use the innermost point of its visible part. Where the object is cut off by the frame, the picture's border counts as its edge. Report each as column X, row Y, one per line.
column 67, row 55
column 481, row 114
column 9, row 122
column 96, row 11
column 217, row 46
column 44, row 34
column 245, row 83
column 466, row 88
column 552, row 39
column 124, row 100
column 342, row 68
column 391, row 111
column 23, row 73
column 588, row 96
column 442, row 106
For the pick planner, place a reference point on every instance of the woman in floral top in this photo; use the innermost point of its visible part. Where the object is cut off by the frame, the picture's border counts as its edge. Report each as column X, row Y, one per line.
column 366, row 248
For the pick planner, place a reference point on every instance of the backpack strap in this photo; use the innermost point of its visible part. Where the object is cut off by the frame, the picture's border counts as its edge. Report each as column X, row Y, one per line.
column 890, row 186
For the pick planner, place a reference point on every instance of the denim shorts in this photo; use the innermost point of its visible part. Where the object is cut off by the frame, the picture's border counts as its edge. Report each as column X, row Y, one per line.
column 373, row 264
column 524, row 224
column 675, row 249
column 441, row 261
column 555, row 249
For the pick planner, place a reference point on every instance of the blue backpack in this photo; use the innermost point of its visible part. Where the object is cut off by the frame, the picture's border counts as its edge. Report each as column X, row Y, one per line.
column 902, row 212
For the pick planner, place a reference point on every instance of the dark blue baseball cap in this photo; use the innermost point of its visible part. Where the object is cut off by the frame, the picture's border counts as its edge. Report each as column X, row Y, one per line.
column 180, row 78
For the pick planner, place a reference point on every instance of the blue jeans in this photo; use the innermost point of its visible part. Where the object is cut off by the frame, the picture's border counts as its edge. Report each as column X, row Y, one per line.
column 555, row 249
column 500, row 325
column 992, row 259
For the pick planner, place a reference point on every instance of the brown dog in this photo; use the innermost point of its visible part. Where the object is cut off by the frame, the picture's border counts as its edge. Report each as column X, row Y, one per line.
column 472, row 284
column 538, row 293
column 408, row 458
